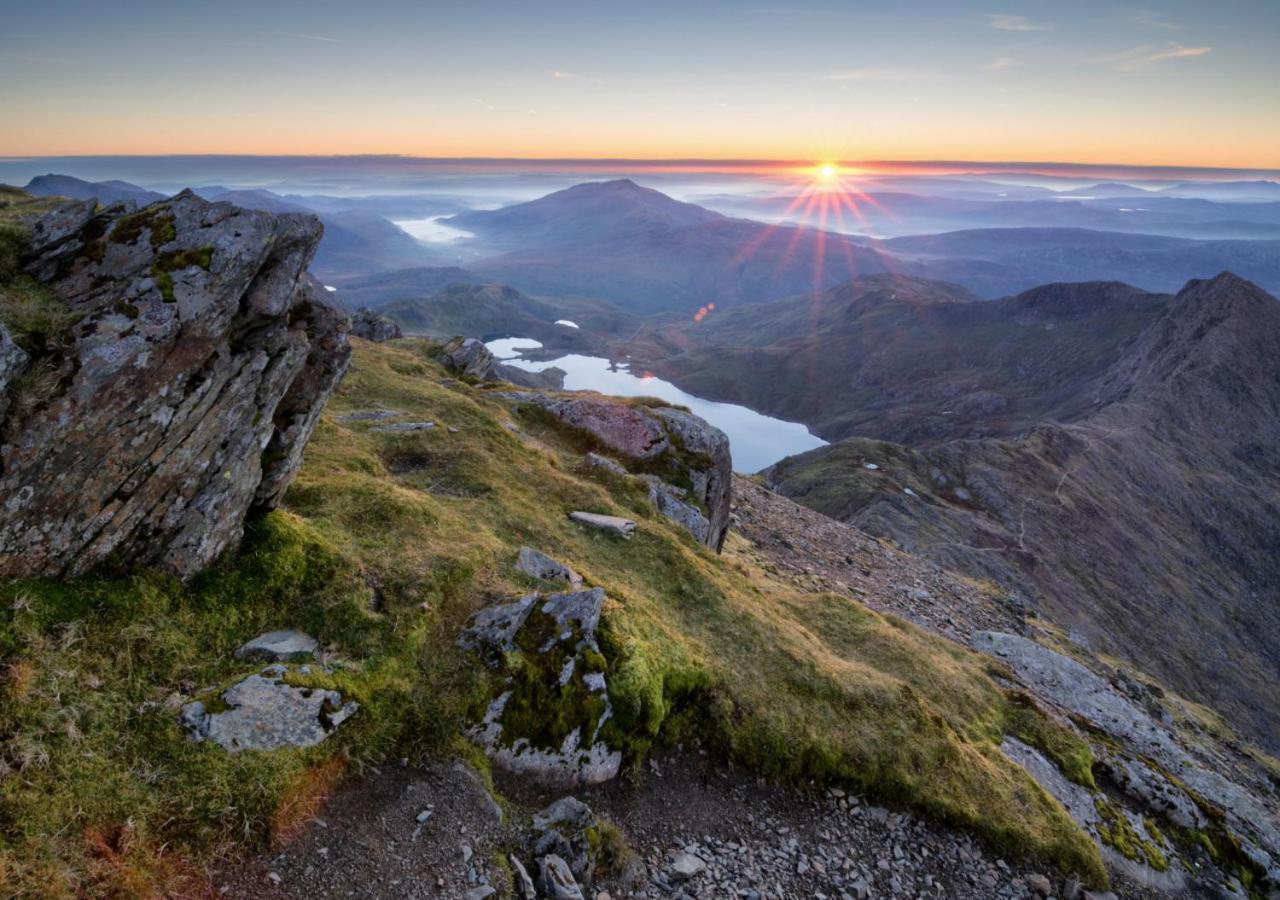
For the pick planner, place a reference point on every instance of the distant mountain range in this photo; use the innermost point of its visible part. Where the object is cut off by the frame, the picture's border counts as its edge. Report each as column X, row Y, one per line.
column 1110, row 456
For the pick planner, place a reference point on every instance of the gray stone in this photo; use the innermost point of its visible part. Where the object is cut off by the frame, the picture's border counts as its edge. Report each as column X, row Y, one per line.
column 482, row 892
column 265, row 713
column 467, row 357
column 562, row 829
column 369, row 325
column 613, row 524
column 667, row 500
column 556, row 881
column 1040, row 884
column 196, row 372
column 402, row 427
column 596, row 461
column 370, row 415
column 686, row 866
column 494, row 628
column 13, row 362
column 522, row 884
column 538, row 565
column 286, row 645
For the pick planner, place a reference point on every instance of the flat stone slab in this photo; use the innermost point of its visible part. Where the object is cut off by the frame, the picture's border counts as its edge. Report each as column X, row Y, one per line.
column 538, row 565
column 370, row 415
column 400, row 427
column 286, row 645
column 265, row 713
column 612, row 524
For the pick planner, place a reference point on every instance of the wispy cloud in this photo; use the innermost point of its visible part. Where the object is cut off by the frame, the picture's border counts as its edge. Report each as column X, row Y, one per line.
column 876, row 73
column 1000, row 62
column 1153, row 19
column 1013, row 23
column 313, row 37
column 482, row 103
column 1141, row 57
column 565, row 76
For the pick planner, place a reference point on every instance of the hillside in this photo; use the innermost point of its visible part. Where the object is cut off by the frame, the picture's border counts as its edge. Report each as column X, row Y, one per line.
column 1117, row 520
column 908, row 360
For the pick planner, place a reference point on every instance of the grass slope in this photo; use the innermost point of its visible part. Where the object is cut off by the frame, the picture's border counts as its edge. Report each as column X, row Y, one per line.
column 387, row 544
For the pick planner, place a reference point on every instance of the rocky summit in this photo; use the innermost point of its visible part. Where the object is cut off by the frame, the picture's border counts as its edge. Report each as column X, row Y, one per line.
column 193, row 363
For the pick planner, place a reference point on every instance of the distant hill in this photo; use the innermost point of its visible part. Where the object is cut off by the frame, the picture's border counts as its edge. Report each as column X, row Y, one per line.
column 477, row 310
column 907, row 359
column 78, row 189
column 998, row 261
column 1146, row 517
column 1227, row 190
column 591, row 212
column 383, row 288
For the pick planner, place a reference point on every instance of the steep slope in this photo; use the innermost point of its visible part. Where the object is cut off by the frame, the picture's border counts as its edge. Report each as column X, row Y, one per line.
column 1157, row 514
column 906, row 359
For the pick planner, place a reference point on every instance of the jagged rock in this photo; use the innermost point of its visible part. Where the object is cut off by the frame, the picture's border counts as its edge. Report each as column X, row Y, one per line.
column 285, row 645
column 596, row 461
column 467, row 357
column 13, row 361
column 565, row 829
column 200, row 362
column 266, row 713
column 612, row 524
column 556, row 881
column 669, row 501
column 687, row 446
column 494, row 628
column 559, row 662
column 522, row 883
column 539, row 565
column 369, row 325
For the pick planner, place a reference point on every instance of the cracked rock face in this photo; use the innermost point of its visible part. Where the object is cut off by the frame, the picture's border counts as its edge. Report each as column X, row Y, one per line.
column 184, row 394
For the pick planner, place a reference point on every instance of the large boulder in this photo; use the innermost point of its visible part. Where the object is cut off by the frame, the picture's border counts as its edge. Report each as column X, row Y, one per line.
column 199, row 361
column 369, row 325
column 689, row 457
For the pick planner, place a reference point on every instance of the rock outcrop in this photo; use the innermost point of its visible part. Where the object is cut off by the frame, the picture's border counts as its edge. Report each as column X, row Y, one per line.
column 200, row 358
column 369, row 325
column 685, row 459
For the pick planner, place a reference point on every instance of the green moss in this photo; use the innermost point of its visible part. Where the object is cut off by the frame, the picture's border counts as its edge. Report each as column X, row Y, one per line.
column 156, row 220
column 1068, row 750
column 1115, row 830
column 176, row 260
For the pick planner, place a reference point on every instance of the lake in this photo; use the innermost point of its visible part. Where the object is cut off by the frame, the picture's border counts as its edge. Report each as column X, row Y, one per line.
column 432, row 230
column 757, row 441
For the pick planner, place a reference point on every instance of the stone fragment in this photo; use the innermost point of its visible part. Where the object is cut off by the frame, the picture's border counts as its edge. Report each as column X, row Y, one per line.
column 538, row 565
column 285, row 645
column 369, row 325
column 613, row 524
column 467, row 357
column 556, row 881
column 265, row 713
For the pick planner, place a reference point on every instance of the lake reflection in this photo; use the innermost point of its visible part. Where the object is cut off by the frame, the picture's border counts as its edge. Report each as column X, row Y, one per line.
column 757, row 441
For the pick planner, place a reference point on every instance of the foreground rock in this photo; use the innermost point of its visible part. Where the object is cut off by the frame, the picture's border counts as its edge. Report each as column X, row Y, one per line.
column 539, row 565
column 687, row 460
column 615, row 525
column 285, row 645
column 1156, row 777
column 265, row 713
column 551, row 700
column 182, row 396
column 369, row 325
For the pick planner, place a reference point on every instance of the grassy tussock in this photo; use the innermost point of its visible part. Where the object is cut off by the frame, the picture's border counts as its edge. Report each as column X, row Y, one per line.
column 388, row 543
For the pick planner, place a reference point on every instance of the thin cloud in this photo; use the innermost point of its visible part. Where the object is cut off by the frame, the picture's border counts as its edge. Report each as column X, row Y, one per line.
column 999, row 63
column 1141, row 57
column 565, row 76
column 1013, row 23
column 482, row 103
column 1152, row 19
column 873, row 73
column 314, row 37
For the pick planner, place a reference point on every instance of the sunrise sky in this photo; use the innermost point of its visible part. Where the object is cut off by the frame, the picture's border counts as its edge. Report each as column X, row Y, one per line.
column 1175, row 83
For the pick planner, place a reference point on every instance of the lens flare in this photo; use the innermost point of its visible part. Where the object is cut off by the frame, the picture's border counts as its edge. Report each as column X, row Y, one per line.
column 827, row 171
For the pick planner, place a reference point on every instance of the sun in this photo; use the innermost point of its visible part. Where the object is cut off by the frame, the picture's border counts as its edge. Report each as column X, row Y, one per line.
column 827, row 171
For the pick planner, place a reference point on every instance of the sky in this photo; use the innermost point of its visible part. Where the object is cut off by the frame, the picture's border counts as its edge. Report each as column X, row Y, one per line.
column 1175, row 83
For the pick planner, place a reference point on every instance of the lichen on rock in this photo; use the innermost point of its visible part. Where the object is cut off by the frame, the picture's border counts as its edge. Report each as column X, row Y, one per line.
column 199, row 361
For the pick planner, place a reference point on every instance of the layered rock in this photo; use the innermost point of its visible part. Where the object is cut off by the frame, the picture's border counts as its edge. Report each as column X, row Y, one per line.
column 369, row 325
column 197, row 367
